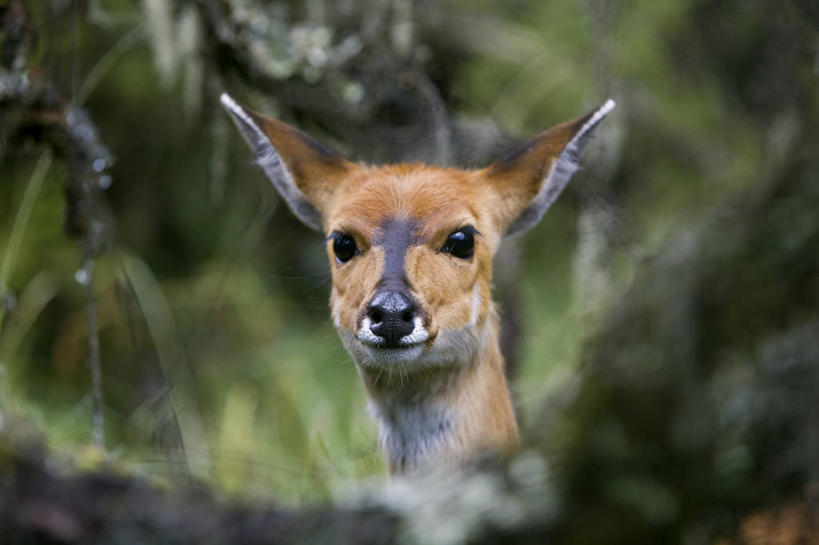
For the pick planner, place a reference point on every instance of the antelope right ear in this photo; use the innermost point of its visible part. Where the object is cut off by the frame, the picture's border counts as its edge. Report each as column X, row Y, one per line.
column 529, row 180
column 304, row 171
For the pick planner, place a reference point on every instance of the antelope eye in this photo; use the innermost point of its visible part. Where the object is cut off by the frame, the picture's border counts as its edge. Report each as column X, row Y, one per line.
column 461, row 243
column 344, row 247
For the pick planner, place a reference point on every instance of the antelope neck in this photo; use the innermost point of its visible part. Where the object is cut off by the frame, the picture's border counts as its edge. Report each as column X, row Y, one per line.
column 443, row 416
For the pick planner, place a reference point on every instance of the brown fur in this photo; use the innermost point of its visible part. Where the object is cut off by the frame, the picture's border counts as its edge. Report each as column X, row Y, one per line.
column 444, row 399
column 444, row 200
column 517, row 177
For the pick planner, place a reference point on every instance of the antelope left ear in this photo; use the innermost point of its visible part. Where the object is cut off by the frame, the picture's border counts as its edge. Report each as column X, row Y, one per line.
column 305, row 172
column 530, row 178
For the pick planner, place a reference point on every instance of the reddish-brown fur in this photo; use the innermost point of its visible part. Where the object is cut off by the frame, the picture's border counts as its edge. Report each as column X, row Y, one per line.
column 443, row 200
column 444, row 399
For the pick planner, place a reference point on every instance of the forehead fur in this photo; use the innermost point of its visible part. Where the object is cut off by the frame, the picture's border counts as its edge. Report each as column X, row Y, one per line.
column 433, row 195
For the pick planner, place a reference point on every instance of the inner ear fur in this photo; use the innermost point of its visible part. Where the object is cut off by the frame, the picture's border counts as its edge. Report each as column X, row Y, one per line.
column 304, row 171
column 530, row 178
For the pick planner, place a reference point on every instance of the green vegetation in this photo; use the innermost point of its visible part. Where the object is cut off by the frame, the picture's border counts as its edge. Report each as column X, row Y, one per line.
column 218, row 356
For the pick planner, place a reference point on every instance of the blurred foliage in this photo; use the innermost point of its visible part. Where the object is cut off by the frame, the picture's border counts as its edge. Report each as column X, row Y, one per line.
column 218, row 357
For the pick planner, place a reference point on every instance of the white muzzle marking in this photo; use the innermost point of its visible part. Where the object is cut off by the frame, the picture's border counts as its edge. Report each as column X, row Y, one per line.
column 418, row 335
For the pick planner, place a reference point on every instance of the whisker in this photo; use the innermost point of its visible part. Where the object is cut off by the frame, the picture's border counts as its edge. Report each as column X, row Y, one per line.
column 402, row 370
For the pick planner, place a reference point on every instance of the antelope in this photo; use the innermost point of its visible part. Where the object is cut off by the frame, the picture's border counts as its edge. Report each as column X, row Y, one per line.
column 410, row 249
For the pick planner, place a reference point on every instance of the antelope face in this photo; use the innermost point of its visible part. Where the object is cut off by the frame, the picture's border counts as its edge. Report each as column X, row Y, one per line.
column 410, row 251
column 411, row 246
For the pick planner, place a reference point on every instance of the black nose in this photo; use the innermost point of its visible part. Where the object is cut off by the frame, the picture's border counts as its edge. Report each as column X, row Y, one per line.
column 392, row 316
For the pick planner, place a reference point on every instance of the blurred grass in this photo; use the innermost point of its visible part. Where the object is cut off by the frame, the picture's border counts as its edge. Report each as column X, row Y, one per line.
column 219, row 358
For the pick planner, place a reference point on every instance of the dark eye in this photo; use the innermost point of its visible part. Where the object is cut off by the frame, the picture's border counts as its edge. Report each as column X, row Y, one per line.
column 344, row 247
column 460, row 243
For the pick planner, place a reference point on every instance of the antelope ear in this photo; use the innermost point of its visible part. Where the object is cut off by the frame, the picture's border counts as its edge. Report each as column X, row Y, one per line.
column 304, row 171
column 530, row 178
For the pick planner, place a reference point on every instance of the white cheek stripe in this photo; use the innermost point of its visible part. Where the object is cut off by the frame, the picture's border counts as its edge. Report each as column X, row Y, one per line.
column 476, row 306
column 334, row 314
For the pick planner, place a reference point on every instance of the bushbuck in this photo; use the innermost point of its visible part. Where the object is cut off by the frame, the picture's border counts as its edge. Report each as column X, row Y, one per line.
column 411, row 248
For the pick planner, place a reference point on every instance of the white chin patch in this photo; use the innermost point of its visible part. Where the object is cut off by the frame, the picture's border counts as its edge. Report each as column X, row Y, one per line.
column 386, row 356
column 451, row 347
column 372, row 348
